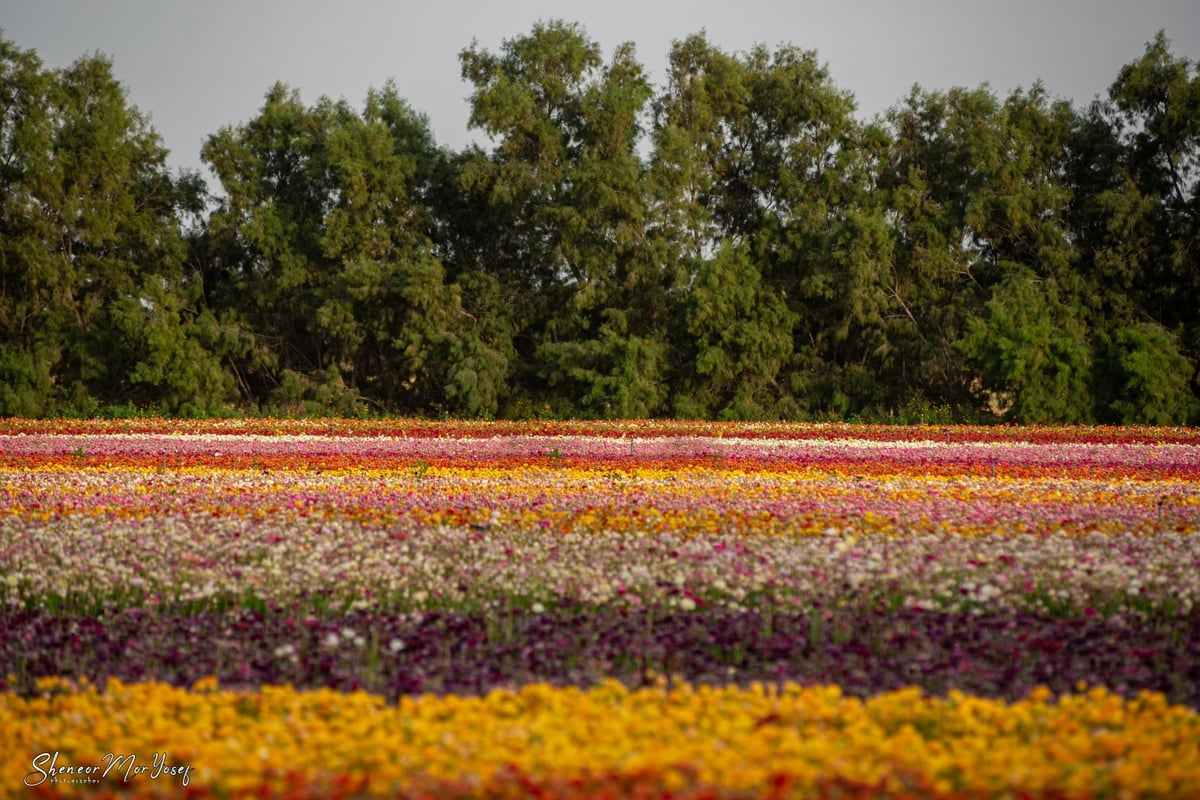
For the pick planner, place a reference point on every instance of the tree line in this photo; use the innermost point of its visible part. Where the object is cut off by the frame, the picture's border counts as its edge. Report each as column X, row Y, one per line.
column 735, row 243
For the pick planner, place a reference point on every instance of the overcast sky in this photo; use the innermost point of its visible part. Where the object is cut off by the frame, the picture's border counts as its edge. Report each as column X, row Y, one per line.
column 194, row 67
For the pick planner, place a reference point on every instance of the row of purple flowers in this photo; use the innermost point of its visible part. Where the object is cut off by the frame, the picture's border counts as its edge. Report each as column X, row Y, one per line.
column 865, row 649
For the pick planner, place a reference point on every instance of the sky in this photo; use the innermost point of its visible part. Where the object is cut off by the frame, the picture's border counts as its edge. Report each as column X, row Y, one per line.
column 195, row 67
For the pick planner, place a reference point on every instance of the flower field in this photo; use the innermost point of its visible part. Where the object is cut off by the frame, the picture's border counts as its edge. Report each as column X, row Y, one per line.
column 335, row 608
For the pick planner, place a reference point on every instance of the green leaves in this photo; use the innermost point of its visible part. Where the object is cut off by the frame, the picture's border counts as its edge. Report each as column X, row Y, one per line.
column 1033, row 351
column 734, row 244
column 95, row 297
column 742, row 338
column 564, row 174
column 1146, row 379
column 615, row 374
column 324, row 238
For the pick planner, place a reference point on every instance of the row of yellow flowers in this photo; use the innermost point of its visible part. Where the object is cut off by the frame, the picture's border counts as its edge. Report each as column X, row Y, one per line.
column 155, row 740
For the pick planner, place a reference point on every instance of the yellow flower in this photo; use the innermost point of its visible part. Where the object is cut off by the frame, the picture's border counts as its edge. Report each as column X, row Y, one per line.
column 737, row 739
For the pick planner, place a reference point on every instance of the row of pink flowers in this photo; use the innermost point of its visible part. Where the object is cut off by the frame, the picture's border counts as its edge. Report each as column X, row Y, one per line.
column 795, row 452
column 101, row 561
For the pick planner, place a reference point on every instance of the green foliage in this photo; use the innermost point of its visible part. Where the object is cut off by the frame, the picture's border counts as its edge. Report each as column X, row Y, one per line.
column 978, row 202
column 733, row 244
column 97, row 306
column 1145, row 379
column 322, row 248
column 26, row 384
column 741, row 335
column 1029, row 345
column 565, row 172
column 314, row 395
column 614, row 375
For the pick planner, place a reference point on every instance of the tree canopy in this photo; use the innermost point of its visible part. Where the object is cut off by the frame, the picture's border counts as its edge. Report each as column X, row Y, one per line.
column 736, row 243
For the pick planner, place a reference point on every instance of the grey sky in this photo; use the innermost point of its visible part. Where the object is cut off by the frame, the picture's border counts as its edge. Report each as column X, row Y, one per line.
column 197, row 66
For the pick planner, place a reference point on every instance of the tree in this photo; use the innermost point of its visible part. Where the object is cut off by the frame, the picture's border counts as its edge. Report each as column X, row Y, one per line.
column 734, row 245
column 1144, row 379
column 759, row 168
column 1133, row 163
column 1032, row 351
column 322, row 245
column 565, row 180
column 31, row 344
column 265, row 238
column 96, row 305
column 741, row 334
column 978, row 201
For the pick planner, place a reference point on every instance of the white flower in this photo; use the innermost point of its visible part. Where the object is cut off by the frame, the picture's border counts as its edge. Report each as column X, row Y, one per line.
column 537, row 608
column 396, row 645
column 987, row 591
